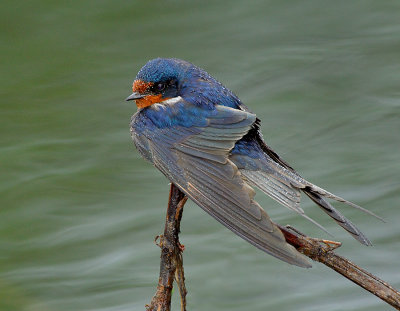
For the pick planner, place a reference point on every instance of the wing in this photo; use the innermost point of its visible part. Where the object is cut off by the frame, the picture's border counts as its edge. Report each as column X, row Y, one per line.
column 195, row 158
column 283, row 184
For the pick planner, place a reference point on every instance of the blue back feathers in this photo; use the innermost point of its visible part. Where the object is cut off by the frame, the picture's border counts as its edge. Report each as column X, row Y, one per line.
column 178, row 114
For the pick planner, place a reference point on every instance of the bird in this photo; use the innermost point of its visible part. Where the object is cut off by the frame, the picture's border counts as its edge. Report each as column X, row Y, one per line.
column 209, row 144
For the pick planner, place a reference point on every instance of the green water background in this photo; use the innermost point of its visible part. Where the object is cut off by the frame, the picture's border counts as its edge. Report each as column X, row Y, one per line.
column 79, row 208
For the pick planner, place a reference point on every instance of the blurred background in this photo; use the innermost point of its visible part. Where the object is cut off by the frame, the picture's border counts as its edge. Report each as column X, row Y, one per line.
column 79, row 208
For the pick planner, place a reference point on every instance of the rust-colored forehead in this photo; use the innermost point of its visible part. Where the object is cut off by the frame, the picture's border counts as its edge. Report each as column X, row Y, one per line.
column 140, row 86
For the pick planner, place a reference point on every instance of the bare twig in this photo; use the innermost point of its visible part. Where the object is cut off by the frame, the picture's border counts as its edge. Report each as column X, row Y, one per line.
column 171, row 265
column 321, row 251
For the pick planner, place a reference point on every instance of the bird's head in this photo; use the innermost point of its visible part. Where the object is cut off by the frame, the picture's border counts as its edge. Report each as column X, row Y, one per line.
column 158, row 80
column 164, row 78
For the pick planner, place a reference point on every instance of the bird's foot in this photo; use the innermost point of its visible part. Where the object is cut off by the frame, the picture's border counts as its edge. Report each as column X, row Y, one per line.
column 158, row 240
column 332, row 245
column 181, row 247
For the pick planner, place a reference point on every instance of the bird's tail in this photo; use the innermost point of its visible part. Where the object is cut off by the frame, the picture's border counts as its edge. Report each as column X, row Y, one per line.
column 337, row 216
column 284, row 185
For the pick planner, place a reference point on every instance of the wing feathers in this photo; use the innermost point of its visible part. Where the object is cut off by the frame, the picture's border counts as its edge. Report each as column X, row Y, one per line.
column 230, row 202
column 284, row 186
column 195, row 159
column 286, row 195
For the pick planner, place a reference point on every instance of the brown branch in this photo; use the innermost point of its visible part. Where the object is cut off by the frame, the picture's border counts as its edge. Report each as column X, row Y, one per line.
column 171, row 265
column 322, row 251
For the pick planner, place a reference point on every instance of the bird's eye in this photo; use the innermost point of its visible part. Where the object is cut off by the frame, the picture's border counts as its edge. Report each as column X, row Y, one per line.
column 160, row 87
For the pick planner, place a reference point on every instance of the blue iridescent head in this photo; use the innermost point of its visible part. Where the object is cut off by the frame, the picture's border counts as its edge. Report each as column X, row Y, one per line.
column 158, row 80
column 163, row 70
column 164, row 78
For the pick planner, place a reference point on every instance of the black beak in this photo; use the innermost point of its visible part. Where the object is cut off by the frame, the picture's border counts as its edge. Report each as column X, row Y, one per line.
column 134, row 95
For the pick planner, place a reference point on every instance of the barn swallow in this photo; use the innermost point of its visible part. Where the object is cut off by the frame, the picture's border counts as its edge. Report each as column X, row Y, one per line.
column 208, row 143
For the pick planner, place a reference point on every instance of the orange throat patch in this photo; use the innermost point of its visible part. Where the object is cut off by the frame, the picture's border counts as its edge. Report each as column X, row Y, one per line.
column 149, row 100
column 142, row 87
